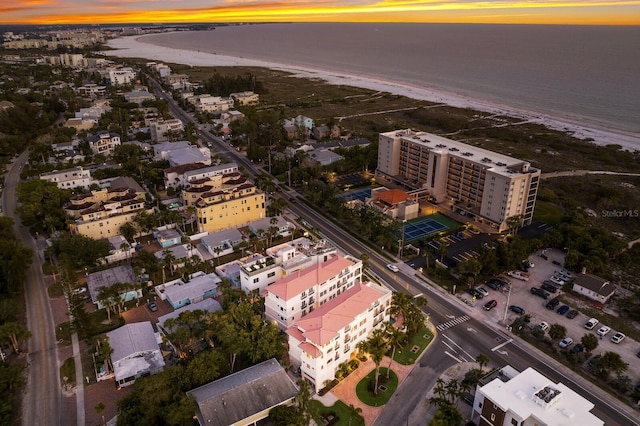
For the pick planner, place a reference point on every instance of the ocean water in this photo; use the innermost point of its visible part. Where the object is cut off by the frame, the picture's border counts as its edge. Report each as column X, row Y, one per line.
column 588, row 74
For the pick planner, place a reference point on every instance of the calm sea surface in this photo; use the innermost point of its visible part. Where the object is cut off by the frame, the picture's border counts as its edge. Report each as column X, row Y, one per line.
column 583, row 73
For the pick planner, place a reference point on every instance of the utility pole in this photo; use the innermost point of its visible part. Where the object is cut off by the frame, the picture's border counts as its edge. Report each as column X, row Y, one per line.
column 506, row 307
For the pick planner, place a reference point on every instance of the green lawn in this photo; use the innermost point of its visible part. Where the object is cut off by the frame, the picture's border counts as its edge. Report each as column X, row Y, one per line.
column 422, row 339
column 68, row 372
column 364, row 395
column 547, row 213
column 341, row 411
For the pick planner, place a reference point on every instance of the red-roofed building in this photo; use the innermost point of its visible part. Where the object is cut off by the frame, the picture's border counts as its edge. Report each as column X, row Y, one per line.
column 395, row 203
column 304, row 291
column 328, row 336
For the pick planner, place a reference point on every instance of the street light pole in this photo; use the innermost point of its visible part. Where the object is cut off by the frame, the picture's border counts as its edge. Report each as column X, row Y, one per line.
column 506, row 307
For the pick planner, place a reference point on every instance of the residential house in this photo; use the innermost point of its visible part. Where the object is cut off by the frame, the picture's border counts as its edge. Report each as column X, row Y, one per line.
column 121, row 76
column 245, row 98
column 81, row 124
column 593, row 287
column 281, row 227
column 108, row 277
column 395, row 203
column 93, row 113
column 323, row 157
column 181, row 254
column 77, row 177
column 208, row 305
column 190, row 154
column 103, row 142
column 92, row 91
column 139, row 96
column 167, row 237
column 120, row 249
column 208, row 103
column 161, row 150
column 176, row 78
column 162, row 130
column 327, row 337
column 136, row 352
column 245, row 397
column 507, row 397
column 180, row 293
column 222, row 242
column 304, row 291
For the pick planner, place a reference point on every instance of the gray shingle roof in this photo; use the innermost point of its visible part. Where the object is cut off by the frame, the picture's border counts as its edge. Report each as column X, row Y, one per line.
column 599, row 285
column 243, row 394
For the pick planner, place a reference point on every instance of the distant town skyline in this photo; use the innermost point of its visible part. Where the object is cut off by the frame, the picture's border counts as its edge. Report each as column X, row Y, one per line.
column 572, row 12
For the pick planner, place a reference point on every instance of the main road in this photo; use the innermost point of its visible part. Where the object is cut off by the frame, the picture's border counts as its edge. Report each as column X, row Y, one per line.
column 42, row 397
column 463, row 334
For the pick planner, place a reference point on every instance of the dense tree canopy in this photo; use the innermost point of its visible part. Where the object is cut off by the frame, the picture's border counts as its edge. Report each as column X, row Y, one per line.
column 81, row 251
column 41, row 205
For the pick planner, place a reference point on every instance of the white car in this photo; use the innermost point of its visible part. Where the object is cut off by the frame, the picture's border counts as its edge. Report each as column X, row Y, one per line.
column 556, row 280
column 482, row 290
column 618, row 337
column 591, row 323
column 604, row 330
column 566, row 342
column 543, row 325
column 392, row 267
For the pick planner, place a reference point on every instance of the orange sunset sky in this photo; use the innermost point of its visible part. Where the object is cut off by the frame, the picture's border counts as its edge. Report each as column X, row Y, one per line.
column 598, row 12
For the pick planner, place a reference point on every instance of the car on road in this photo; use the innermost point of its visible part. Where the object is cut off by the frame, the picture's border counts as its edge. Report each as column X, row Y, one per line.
column 292, row 200
column 152, row 306
column 552, row 304
column 544, row 325
column 603, row 330
column 563, row 310
column 517, row 309
column 392, row 267
column 591, row 323
column 566, row 342
column 539, row 292
column 551, row 288
column 577, row 349
column 490, row 305
column 618, row 337
column 572, row 314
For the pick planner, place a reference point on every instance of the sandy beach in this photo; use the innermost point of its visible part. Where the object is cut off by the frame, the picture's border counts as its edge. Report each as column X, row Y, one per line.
column 135, row 47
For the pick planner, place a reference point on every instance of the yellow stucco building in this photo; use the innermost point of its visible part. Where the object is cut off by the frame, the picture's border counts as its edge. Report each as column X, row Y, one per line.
column 230, row 208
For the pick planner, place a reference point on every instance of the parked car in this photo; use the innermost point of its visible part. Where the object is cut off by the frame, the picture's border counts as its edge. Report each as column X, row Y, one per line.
column 544, row 256
column 482, row 290
column 556, row 280
column 591, row 323
column 555, row 262
column 551, row 304
column 551, row 288
column 490, row 305
column 475, row 293
column 572, row 314
column 566, row 342
column 594, row 360
column 539, row 292
column 468, row 397
column 392, row 267
column 563, row 310
column 618, row 337
column 577, row 348
column 523, row 276
column 152, row 306
column 494, row 284
column 517, row 309
column 603, row 330
column 544, row 325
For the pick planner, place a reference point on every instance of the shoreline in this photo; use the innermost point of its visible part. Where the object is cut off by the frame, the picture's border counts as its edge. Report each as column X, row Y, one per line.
column 135, row 47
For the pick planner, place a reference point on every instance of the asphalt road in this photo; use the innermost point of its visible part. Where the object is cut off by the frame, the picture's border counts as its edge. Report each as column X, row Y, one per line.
column 465, row 333
column 42, row 397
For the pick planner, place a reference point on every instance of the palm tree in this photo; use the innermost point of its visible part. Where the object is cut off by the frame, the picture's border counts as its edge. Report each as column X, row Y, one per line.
column 397, row 339
column 376, row 346
column 355, row 413
column 482, row 360
column 100, row 410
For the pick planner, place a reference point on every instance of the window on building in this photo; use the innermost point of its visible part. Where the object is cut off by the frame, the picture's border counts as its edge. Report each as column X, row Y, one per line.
column 493, row 417
column 514, row 422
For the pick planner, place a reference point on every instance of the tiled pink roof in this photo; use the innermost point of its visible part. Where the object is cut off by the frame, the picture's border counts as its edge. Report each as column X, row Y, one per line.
column 295, row 333
column 322, row 325
column 310, row 349
column 305, row 279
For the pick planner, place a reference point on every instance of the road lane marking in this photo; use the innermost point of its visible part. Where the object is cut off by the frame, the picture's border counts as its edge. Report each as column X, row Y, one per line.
column 452, row 356
column 471, row 358
column 501, row 345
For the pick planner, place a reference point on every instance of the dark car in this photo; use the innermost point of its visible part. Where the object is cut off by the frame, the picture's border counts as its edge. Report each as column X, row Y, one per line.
column 475, row 293
column 494, row 284
column 152, row 306
column 572, row 314
column 517, row 309
column 551, row 288
column 468, row 397
column 539, row 292
column 577, row 348
column 563, row 310
column 544, row 256
column 555, row 262
column 594, row 360
column 490, row 305
column 551, row 304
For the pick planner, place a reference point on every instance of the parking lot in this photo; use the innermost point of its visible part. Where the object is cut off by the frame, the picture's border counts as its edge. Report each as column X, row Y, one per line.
column 520, row 295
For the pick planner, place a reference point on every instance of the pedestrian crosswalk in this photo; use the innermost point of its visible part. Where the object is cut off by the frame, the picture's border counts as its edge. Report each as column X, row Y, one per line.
column 452, row 323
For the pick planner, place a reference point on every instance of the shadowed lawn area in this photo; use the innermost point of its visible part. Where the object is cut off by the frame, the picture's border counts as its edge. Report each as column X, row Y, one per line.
column 410, row 353
column 547, row 213
column 386, row 388
column 341, row 411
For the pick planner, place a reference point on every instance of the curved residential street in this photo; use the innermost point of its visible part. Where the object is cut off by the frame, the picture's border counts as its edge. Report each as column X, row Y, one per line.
column 41, row 400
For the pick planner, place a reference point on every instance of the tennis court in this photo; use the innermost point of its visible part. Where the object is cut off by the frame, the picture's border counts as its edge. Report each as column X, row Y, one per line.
column 361, row 195
column 417, row 229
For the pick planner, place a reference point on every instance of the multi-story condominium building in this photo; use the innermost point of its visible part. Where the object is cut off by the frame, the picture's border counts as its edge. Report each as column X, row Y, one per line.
column 100, row 214
column 208, row 103
column 488, row 187
column 245, row 98
column 139, row 96
column 104, row 142
column 507, row 397
column 302, row 292
column 328, row 336
column 197, row 188
column 69, row 178
column 122, row 76
column 220, row 209
column 176, row 78
column 161, row 130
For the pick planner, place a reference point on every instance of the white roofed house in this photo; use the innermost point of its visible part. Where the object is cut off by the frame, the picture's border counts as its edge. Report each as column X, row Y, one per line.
column 104, row 142
column 136, row 352
column 107, row 278
column 70, row 178
column 208, row 103
column 180, row 293
column 163, row 130
column 222, row 242
column 328, row 336
column 279, row 223
column 245, row 98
